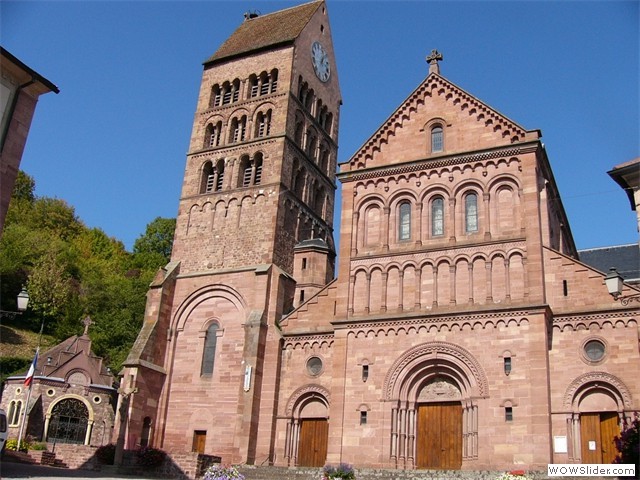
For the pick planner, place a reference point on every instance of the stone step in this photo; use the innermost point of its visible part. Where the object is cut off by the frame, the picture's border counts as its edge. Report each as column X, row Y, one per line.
column 303, row 473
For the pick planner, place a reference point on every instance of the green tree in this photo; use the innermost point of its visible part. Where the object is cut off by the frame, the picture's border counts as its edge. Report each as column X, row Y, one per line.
column 158, row 238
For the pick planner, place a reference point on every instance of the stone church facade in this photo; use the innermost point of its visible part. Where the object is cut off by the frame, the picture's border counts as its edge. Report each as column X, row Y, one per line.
column 460, row 330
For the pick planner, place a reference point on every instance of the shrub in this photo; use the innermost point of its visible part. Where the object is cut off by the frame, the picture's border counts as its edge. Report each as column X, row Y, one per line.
column 151, row 457
column 106, row 454
column 628, row 442
column 514, row 475
column 38, row 446
column 343, row 471
column 222, row 472
column 12, row 444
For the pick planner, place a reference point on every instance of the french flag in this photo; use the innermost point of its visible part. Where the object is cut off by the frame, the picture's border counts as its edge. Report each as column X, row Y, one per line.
column 32, row 371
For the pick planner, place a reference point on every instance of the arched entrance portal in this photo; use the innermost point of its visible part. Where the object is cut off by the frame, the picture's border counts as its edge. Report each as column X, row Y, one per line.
column 433, row 389
column 68, row 422
column 598, row 401
column 308, row 427
column 439, row 428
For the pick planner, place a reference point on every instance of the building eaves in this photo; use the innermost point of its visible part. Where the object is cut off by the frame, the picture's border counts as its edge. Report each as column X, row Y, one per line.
column 265, row 31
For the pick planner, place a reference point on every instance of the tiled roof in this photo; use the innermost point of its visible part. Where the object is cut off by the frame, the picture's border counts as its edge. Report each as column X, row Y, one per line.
column 265, row 31
column 624, row 258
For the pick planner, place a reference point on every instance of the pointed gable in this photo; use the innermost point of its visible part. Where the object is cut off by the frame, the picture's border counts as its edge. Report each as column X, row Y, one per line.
column 468, row 125
column 268, row 31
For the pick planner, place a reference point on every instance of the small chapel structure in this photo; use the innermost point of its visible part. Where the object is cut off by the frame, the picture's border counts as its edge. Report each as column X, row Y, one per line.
column 460, row 330
column 72, row 397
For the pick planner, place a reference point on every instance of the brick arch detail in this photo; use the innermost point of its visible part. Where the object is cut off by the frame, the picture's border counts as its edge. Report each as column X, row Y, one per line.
column 192, row 302
column 584, row 384
column 304, row 394
column 457, row 360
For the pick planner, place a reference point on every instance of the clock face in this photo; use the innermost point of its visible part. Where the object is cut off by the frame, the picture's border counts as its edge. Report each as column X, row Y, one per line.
column 320, row 61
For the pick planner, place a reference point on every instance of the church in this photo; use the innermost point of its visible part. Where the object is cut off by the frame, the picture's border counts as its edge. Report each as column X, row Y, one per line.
column 459, row 329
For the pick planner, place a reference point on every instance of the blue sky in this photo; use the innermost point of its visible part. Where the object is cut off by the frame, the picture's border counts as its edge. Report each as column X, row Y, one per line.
column 113, row 143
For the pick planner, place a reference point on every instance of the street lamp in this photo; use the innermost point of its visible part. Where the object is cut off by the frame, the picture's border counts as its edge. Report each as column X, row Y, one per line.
column 614, row 284
column 23, row 301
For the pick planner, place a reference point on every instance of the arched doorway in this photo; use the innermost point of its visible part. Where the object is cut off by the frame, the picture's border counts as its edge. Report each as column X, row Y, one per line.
column 598, row 401
column 439, row 425
column 308, row 427
column 433, row 389
column 68, row 422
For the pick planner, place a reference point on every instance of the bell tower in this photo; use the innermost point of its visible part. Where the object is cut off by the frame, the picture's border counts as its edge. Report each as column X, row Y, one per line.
column 260, row 173
column 259, row 180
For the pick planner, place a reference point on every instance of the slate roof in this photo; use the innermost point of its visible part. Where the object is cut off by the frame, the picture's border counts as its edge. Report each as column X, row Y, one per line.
column 624, row 258
column 266, row 31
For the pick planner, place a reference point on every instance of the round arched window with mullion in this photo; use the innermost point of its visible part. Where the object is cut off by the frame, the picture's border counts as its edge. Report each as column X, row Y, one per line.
column 437, row 139
column 437, row 217
column 404, row 222
column 471, row 213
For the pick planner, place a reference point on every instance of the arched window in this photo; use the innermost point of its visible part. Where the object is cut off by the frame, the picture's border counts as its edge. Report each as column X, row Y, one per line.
column 235, row 90
column 253, row 86
column 69, row 422
column 208, row 181
column 15, row 409
column 145, row 435
column 226, row 93
column 404, row 221
column 471, row 213
column 437, row 216
column 238, row 129
column 216, row 96
column 209, row 353
column 263, row 128
column 212, row 177
column 437, row 139
column 212, row 135
column 273, row 77
column 257, row 165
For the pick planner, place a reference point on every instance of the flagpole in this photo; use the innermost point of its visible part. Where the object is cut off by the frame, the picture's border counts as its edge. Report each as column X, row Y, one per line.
column 26, row 407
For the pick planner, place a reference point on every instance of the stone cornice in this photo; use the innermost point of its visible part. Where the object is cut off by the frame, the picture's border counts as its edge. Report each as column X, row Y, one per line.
column 436, row 253
column 586, row 321
column 438, row 162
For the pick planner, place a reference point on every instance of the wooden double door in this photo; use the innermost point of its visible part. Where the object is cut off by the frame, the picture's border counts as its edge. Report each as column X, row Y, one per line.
column 597, row 431
column 312, row 446
column 439, row 436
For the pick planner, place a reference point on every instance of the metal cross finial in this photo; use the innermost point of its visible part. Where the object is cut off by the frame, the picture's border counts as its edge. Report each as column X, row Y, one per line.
column 86, row 322
column 432, row 59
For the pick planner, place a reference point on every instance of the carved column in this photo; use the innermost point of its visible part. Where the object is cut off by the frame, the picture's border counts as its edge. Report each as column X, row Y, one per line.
column 507, row 279
column 470, row 267
column 355, row 230
column 489, row 267
column 383, row 293
column 352, row 283
column 452, row 284
column 418, row 287
column 385, row 227
column 368, row 292
column 487, row 209
column 435, row 285
column 419, row 224
column 400, row 289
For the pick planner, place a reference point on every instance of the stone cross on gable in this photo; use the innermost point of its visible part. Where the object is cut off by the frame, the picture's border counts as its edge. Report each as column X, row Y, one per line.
column 432, row 59
column 86, row 322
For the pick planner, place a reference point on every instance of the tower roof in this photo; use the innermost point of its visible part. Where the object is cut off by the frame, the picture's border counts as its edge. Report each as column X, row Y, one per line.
column 266, row 31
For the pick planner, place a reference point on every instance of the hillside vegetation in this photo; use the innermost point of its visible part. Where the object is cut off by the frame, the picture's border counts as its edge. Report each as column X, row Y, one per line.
column 72, row 271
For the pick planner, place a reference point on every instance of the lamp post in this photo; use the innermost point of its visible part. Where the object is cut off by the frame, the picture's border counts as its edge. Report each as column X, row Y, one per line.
column 615, row 283
column 23, row 301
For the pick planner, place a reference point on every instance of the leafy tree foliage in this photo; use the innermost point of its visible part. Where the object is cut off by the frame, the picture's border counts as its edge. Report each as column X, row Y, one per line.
column 157, row 239
column 72, row 271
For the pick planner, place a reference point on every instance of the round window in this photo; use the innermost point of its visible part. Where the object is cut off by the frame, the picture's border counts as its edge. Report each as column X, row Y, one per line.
column 51, row 392
column 314, row 366
column 594, row 350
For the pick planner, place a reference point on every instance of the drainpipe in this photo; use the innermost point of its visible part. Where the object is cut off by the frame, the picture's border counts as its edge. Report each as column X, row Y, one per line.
column 14, row 102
